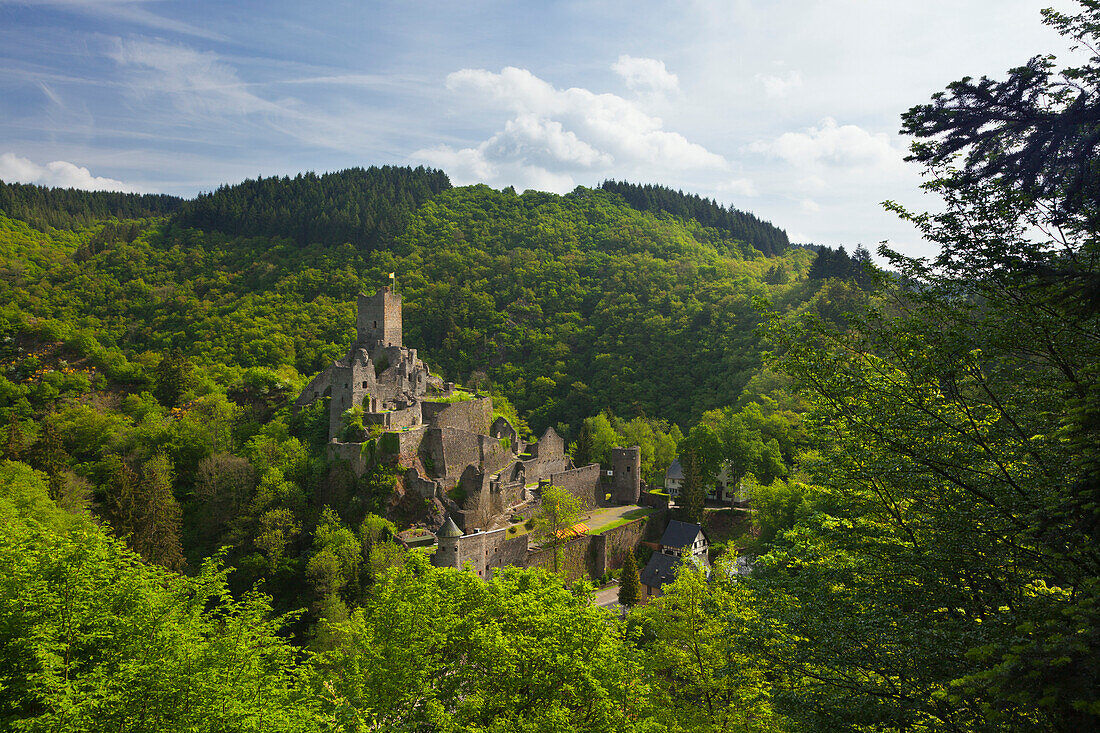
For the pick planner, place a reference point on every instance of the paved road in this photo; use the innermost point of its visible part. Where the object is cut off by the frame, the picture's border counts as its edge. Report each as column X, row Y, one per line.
column 608, row 597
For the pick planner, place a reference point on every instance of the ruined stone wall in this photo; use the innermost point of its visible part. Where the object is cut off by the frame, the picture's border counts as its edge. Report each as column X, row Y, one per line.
column 494, row 456
column 510, row 551
column 613, row 545
column 594, row 555
column 457, row 449
column 418, row 485
column 473, row 415
column 379, row 318
column 501, row 428
column 583, row 483
column 648, row 498
column 350, row 452
column 315, row 390
column 408, row 444
column 394, row 419
column 574, row 558
column 341, row 398
column 626, row 483
column 540, row 469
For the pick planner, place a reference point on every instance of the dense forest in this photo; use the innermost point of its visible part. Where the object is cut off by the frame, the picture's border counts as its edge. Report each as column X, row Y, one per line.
column 69, row 208
column 920, row 447
column 363, row 207
column 769, row 239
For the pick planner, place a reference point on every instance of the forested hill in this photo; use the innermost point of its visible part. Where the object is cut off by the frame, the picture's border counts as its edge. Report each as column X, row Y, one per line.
column 764, row 236
column 364, row 207
column 69, row 208
column 567, row 305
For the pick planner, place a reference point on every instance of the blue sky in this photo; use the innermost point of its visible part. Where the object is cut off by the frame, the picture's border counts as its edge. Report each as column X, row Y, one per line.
column 786, row 108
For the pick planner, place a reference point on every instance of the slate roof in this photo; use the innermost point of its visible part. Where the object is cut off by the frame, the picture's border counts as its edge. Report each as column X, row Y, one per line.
column 449, row 529
column 675, row 472
column 680, row 534
column 659, row 570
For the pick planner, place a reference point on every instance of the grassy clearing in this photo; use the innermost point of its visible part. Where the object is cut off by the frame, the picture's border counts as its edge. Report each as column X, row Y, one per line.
column 624, row 519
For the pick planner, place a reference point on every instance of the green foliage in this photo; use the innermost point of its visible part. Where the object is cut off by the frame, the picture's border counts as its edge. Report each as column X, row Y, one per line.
column 93, row 639
column 436, row 648
column 363, row 207
column 777, row 506
column 701, row 457
column 948, row 575
column 70, row 208
column 705, row 678
column 630, row 584
column 738, row 225
column 558, row 511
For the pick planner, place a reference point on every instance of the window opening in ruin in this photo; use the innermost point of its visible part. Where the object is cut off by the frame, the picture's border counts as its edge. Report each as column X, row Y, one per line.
column 376, row 324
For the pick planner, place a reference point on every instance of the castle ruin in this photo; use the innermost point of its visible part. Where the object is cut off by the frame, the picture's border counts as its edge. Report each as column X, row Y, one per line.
column 384, row 405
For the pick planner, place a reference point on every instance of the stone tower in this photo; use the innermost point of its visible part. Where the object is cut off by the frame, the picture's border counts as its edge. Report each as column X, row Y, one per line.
column 379, row 321
column 446, row 553
column 626, row 480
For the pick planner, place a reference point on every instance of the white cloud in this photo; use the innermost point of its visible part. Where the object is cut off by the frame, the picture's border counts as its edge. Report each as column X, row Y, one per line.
column 556, row 134
column 833, row 145
column 737, row 187
column 779, row 86
column 57, row 174
column 809, row 206
column 645, row 75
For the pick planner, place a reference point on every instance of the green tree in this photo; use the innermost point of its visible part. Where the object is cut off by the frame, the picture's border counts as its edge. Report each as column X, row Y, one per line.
column 704, row 679
column 14, row 441
column 157, row 534
column 630, row 586
column 558, row 511
column 174, row 377
column 95, row 639
column 441, row 649
column 700, row 457
column 949, row 580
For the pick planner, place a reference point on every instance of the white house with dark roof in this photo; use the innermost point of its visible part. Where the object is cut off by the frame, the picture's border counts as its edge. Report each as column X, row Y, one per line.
column 723, row 489
column 681, row 542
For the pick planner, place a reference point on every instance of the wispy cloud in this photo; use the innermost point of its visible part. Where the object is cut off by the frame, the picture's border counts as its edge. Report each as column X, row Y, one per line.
column 197, row 82
column 134, row 12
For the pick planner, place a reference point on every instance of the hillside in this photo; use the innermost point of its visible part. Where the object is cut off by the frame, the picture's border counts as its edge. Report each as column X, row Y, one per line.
column 569, row 305
column 68, row 208
column 764, row 236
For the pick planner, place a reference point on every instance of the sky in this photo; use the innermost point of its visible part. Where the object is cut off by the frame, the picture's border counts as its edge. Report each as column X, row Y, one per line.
column 789, row 109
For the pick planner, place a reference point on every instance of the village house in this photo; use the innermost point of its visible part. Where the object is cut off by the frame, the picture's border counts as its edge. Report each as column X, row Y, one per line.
column 723, row 490
column 681, row 542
